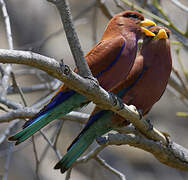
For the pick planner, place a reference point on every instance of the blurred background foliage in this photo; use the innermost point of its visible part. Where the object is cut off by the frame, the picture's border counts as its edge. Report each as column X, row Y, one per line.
column 36, row 26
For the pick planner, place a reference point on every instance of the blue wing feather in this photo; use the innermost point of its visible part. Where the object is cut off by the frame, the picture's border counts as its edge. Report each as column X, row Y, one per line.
column 113, row 62
column 58, row 99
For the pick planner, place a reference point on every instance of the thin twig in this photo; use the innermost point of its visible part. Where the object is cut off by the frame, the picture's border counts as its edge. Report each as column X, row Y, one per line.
column 48, row 145
column 180, row 79
column 64, row 10
column 8, row 130
column 180, row 5
column 53, row 85
column 36, row 46
column 93, row 153
column 181, row 64
column 15, row 84
column 179, row 34
column 60, row 126
column 23, row 113
column 7, row 24
column 5, row 79
column 37, row 162
column 171, row 24
column 94, row 25
column 68, row 174
column 106, row 11
column 8, row 67
column 51, row 145
column 173, row 83
column 8, row 159
column 104, row 164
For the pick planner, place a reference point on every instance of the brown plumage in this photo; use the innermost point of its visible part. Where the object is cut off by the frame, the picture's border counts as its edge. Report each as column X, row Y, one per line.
column 154, row 61
column 143, row 87
column 110, row 60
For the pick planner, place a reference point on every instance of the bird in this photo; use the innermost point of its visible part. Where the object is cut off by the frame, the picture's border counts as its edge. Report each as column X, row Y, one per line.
column 143, row 87
column 109, row 61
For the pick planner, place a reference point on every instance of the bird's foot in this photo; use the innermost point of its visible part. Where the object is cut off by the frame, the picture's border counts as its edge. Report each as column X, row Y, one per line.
column 150, row 125
column 167, row 136
column 64, row 68
column 101, row 140
column 117, row 101
column 140, row 112
column 92, row 79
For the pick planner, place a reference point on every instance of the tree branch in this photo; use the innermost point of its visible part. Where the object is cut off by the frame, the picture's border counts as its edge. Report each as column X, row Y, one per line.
column 180, row 5
column 24, row 113
column 104, row 164
column 172, row 155
column 87, row 87
column 66, row 17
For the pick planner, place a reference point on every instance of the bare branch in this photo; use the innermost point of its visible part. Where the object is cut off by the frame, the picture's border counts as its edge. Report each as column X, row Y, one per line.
column 106, row 11
column 8, row 67
column 7, row 132
column 51, row 145
column 86, row 87
column 36, row 87
column 64, row 10
column 7, row 24
column 24, row 113
column 68, row 174
column 37, row 162
column 9, row 103
column 90, row 155
column 180, row 5
column 179, row 34
column 172, row 155
column 172, row 82
column 104, row 164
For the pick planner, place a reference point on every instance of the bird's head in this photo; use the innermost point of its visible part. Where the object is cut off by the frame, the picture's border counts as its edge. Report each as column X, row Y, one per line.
column 158, row 45
column 161, row 33
column 133, row 21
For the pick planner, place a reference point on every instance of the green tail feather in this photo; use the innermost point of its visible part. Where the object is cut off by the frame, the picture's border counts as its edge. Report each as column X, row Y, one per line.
column 62, row 109
column 99, row 126
column 74, row 154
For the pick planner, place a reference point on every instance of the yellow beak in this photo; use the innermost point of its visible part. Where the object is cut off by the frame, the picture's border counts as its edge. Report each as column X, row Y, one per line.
column 147, row 32
column 147, row 22
column 162, row 34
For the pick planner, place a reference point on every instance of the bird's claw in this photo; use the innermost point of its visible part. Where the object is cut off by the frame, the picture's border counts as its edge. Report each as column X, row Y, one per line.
column 92, row 79
column 117, row 101
column 101, row 140
column 140, row 112
column 167, row 136
column 150, row 125
column 64, row 68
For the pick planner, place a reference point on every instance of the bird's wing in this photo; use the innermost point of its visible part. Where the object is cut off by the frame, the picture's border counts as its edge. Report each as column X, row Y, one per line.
column 105, row 54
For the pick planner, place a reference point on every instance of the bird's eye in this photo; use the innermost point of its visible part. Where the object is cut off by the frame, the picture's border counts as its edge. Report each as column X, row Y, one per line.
column 131, row 15
column 134, row 16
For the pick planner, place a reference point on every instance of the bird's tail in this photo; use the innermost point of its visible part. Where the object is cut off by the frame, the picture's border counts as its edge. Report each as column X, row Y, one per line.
column 97, row 125
column 60, row 105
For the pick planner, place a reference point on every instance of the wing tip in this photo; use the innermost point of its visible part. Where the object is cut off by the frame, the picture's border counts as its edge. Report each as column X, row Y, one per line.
column 60, row 166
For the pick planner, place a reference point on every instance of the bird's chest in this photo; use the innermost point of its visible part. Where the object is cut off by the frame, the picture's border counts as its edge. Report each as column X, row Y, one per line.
column 150, row 87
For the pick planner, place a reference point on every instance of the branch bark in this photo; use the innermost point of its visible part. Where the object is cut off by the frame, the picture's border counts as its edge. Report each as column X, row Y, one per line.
column 66, row 17
column 173, row 155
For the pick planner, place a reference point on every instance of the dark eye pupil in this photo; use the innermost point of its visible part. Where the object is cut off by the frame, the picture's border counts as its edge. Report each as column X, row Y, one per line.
column 133, row 16
column 130, row 15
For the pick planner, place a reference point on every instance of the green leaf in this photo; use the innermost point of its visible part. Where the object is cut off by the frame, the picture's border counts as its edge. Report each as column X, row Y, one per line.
column 182, row 114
